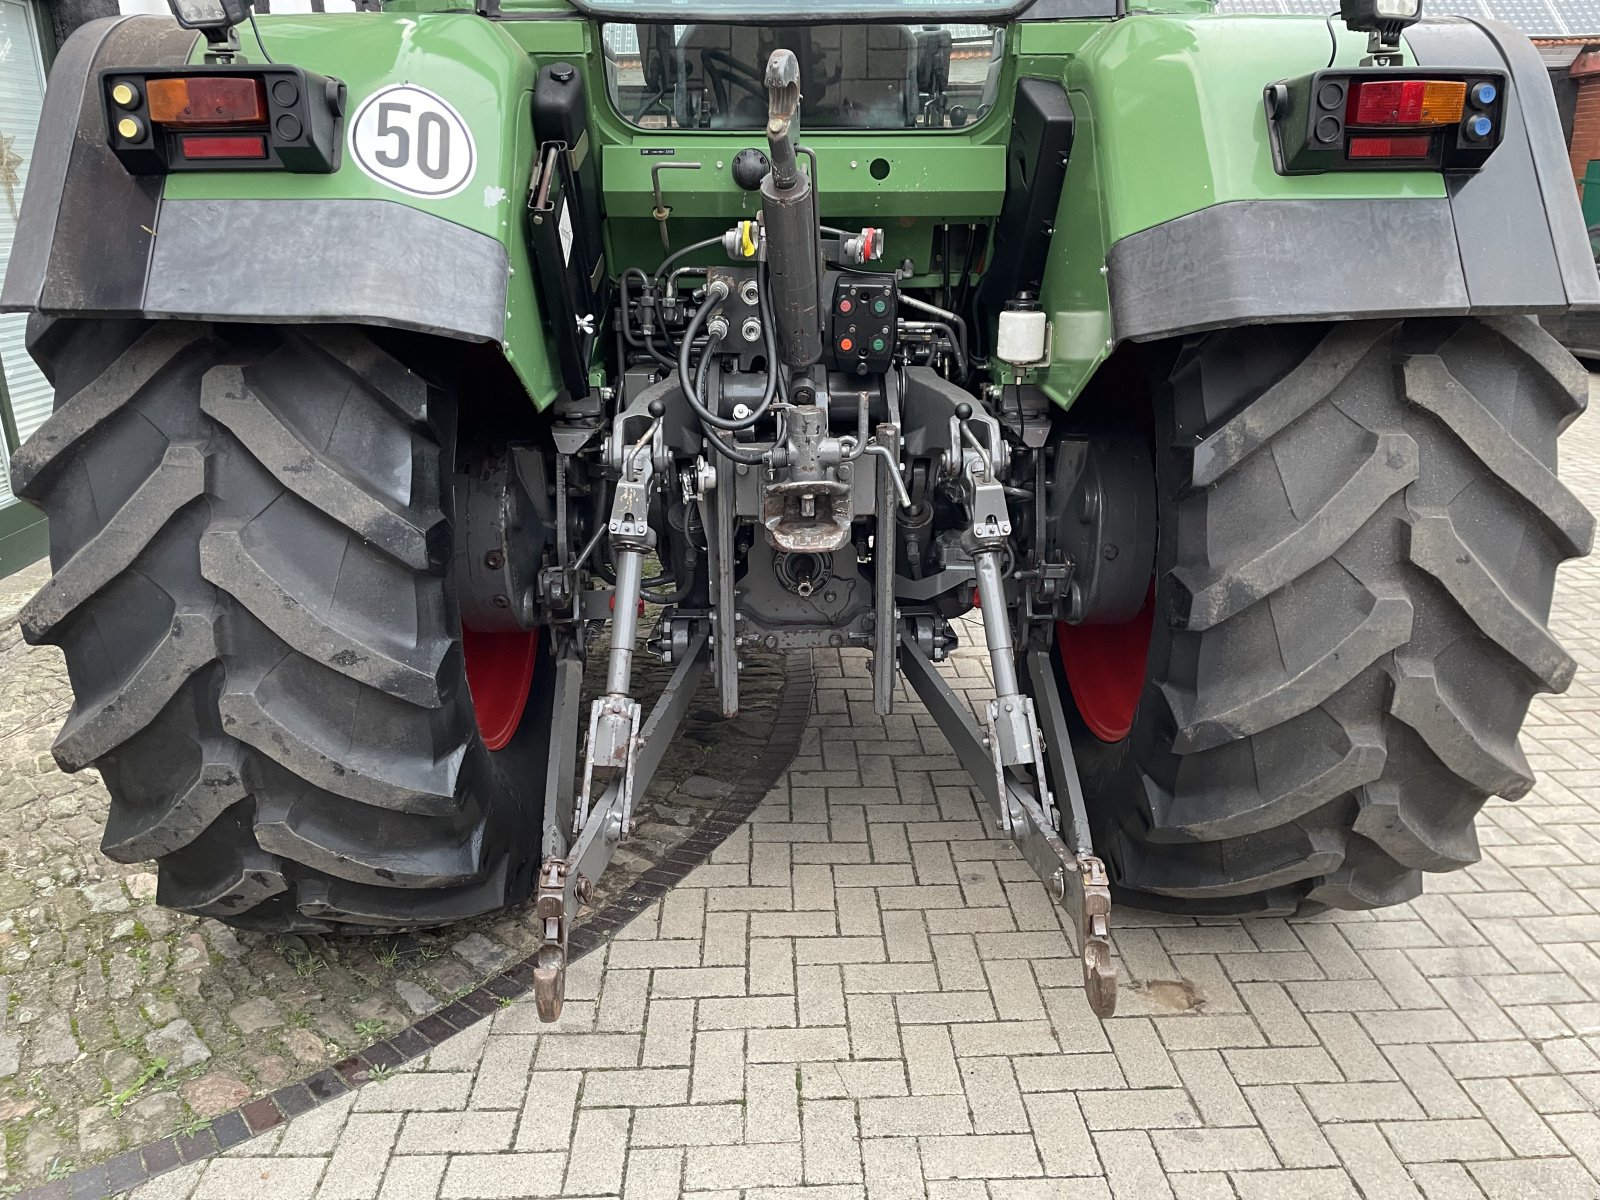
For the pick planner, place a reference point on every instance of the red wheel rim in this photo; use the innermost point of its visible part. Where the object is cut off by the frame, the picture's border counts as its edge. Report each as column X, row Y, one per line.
column 1105, row 667
column 499, row 675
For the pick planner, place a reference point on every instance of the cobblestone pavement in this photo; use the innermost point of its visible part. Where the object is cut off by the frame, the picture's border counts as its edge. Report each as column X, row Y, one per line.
column 123, row 1022
column 865, row 991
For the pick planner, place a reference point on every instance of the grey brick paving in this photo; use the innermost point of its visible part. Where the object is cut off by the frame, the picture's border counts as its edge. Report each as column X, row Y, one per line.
column 864, row 993
column 99, row 982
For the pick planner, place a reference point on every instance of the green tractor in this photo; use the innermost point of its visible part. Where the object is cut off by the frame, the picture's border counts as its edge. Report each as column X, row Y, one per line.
column 397, row 352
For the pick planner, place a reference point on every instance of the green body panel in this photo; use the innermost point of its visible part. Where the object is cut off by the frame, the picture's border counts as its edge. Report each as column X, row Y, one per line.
column 484, row 75
column 1169, row 121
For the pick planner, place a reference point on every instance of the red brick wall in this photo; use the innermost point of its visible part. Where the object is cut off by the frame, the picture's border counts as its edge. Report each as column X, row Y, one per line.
column 1586, row 126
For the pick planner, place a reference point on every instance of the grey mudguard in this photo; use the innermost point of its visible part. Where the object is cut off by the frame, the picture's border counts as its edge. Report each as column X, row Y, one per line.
column 93, row 240
column 371, row 262
column 1509, row 238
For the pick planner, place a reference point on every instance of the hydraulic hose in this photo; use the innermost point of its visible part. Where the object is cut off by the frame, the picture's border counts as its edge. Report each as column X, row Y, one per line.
column 691, row 389
column 748, row 457
column 957, row 333
column 667, row 262
column 639, row 341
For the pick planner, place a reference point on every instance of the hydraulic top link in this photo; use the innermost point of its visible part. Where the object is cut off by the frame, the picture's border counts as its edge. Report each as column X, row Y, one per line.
column 794, row 263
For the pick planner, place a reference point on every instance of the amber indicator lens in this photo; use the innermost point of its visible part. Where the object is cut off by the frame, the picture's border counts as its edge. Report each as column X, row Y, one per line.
column 1405, row 102
column 207, row 100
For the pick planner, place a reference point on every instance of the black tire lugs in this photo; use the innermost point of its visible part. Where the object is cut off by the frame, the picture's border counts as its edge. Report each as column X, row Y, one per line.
column 1361, row 524
column 1265, row 565
column 250, row 530
column 330, row 484
column 83, row 411
column 1287, row 400
column 179, row 478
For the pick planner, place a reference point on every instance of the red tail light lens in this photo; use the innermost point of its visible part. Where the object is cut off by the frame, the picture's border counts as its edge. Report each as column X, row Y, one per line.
column 249, row 146
column 1405, row 102
column 1391, row 147
column 207, row 100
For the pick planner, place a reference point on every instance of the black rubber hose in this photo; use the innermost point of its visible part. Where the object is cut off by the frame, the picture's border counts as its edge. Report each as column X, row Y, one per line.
column 748, row 457
column 963, row 284
column 691, row 389
column 639, row 341
column 666, row 263
column 955, row 344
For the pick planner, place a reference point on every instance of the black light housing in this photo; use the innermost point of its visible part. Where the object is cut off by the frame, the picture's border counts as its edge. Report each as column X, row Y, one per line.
column 1385, row 18
column 214, row 18
column 209, row 14
column 299, row 127
column 1316, row 125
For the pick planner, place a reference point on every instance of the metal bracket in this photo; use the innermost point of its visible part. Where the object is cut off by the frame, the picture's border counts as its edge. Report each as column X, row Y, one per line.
column 1076, row 877
column 613, row 745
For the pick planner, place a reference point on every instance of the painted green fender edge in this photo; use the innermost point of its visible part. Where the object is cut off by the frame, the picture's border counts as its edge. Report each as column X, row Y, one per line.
column 269, row 246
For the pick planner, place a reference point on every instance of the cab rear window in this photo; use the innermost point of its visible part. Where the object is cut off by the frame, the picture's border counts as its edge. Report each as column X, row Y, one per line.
column 858, row 76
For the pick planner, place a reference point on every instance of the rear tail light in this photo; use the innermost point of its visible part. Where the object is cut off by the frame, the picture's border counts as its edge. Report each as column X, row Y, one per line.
column 1409, row 102
column 224, row 117
column 208, row 100
column 1385, row 118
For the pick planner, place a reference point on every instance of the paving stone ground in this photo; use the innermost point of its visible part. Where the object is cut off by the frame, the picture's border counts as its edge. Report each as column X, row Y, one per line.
column 864, row 992
column 122, row 1022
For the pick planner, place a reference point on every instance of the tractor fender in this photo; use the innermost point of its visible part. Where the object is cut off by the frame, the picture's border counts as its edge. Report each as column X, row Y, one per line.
column 257, row 246
column 1509, row 238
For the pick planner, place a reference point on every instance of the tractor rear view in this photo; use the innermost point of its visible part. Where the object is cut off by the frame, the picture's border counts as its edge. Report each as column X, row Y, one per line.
column 396, row 352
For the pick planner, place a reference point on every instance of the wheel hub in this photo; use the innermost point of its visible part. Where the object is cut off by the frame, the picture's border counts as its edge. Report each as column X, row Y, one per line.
column 499, row 674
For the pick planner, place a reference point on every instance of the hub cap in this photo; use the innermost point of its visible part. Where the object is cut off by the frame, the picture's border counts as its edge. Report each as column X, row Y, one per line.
column 499, row 675
column 1105, row 666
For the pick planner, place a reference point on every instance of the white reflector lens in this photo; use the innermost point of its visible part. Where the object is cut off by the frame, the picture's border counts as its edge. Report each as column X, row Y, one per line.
column 1398, row 8
column 200, row 12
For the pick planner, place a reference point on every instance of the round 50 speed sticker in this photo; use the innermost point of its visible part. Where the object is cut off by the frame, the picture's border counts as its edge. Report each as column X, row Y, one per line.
column 414, row 141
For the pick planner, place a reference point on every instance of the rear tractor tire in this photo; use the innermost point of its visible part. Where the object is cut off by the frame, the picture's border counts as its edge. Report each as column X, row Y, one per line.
column 250, row 529
column 1360, row 526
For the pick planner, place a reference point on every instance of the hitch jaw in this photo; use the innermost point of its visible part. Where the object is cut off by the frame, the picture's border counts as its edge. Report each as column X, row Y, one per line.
column 550, row 960
column 1077, row 882
column 1091, row 898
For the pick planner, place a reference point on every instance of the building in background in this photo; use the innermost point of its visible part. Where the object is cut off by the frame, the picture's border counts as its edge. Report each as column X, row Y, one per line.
column 27, row 43
column 1574, row 64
